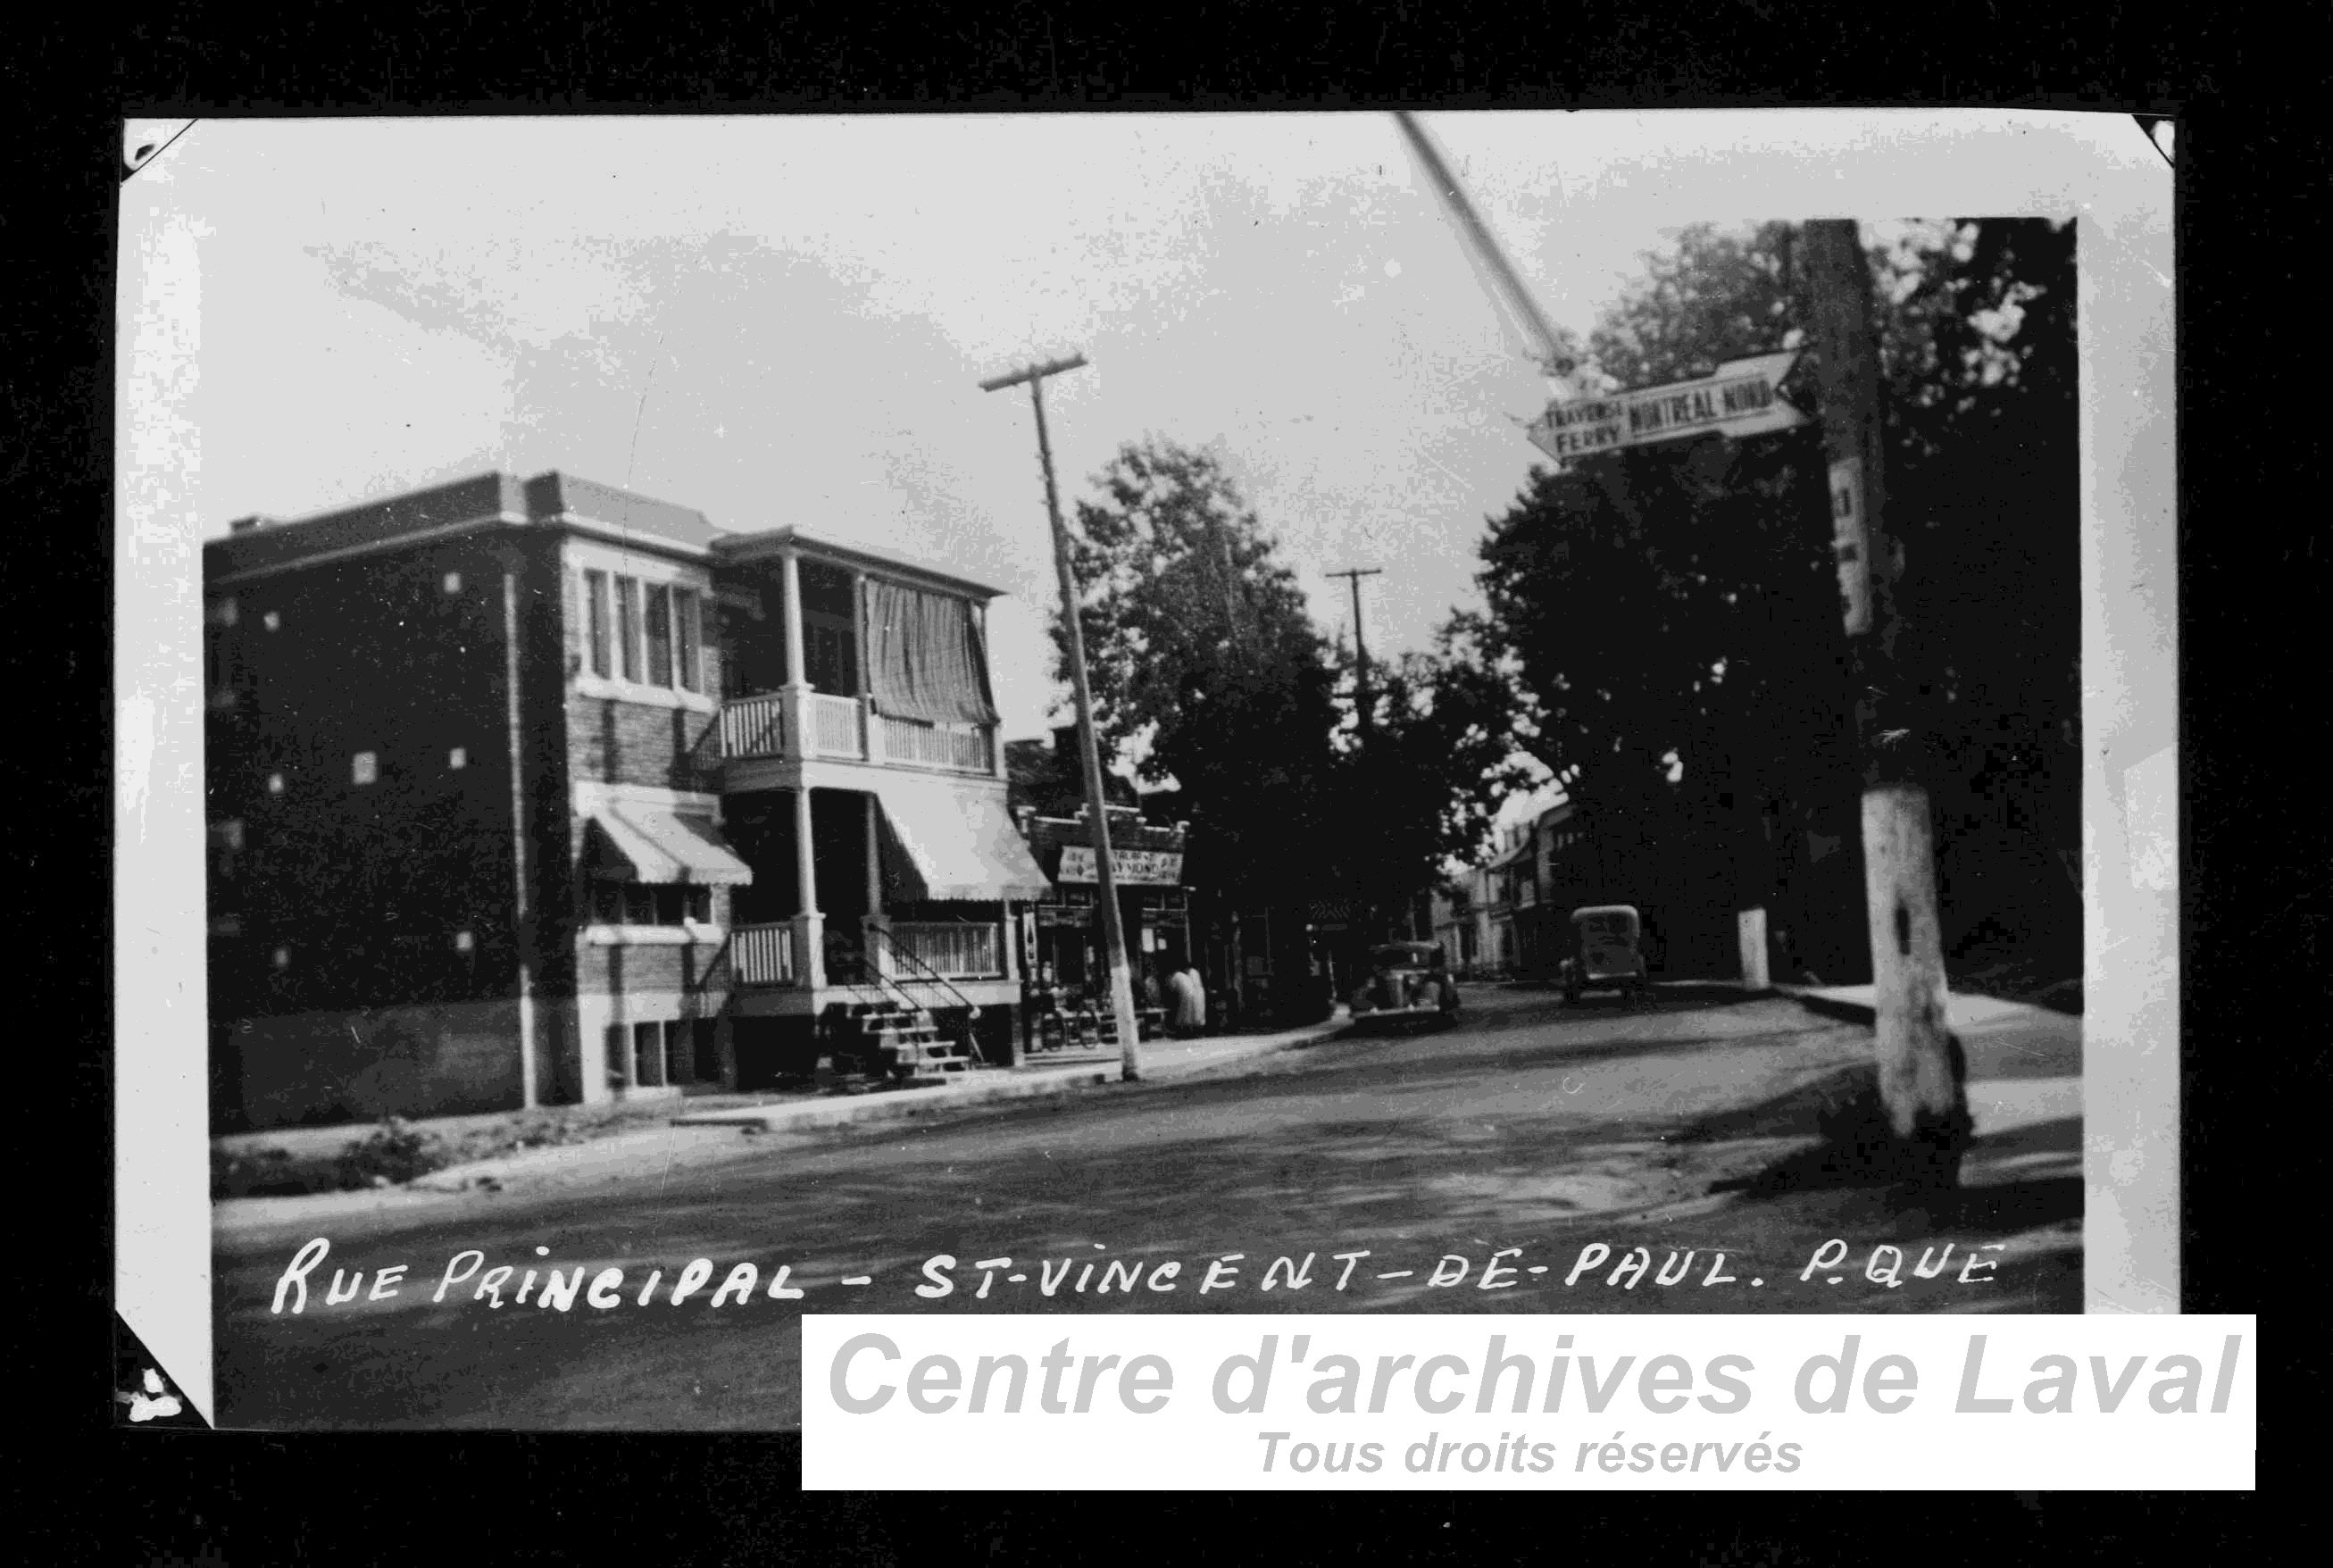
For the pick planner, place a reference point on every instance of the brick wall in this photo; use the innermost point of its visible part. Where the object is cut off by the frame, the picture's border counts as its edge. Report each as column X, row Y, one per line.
column 364, row 886
column 611, row 741
column 661, row 967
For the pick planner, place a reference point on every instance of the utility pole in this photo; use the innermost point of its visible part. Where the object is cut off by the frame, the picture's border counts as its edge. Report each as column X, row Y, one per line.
column 1920, row 1081
column 1121, row 980
column 1361, row 706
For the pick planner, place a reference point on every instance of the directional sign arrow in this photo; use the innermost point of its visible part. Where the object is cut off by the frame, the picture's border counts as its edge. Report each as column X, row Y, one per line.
column 1742, row 399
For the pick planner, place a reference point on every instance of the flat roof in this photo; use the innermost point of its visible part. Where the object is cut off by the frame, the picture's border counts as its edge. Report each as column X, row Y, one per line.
column 495, row 499
column 770, row 540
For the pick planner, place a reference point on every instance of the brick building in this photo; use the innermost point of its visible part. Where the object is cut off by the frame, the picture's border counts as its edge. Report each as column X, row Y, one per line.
column 536, row 792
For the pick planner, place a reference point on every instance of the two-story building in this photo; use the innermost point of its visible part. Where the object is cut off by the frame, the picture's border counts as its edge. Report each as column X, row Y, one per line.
column 1511, row 913
column 537, row 791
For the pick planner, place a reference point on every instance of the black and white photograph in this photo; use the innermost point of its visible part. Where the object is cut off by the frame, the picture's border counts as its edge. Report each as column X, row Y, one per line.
column 725, row 718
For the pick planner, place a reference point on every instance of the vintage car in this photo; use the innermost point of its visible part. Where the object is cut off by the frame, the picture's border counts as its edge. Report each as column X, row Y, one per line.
column 1409, row 984
column 1606, row 956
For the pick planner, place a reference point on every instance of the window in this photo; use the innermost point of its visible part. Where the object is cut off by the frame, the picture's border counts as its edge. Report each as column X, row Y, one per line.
column 364, row 768
column 649, row 904
column 647, row 1056
column 595, row 620
column 458, row 758
column 828, row 651
column 639, row 905
column 627, row 626
column 705, row 1050
column 687, row 624
column 659, row 635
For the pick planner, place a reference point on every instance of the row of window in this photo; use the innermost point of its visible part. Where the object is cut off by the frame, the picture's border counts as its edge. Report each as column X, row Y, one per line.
column 280, row 958
column 649, row 904
column 669, row 1050
column 228, row 611
column 650, row 633
column 364, row 768
column 225, row 672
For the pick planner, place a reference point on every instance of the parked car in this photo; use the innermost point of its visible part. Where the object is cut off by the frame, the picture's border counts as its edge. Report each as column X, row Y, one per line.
column 1409, row 985
column 1607, row 956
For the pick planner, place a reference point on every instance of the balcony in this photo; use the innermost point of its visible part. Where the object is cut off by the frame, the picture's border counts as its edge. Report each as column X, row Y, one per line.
column 848, row 729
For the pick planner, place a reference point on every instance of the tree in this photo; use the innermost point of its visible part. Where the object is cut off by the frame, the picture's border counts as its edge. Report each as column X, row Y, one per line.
column 1425, row 784
column 1206, row 668
column 1673, row 612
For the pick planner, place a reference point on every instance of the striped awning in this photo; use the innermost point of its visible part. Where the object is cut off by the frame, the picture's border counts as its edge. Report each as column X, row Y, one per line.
column 640, row 843
column 944, row 843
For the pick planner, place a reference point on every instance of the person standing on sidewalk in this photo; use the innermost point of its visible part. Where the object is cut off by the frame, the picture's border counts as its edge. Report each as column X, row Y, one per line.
column 1190, row 996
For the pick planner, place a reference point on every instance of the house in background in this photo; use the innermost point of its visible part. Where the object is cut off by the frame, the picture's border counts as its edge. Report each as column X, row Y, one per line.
column 1511, row 913
column 527, row 792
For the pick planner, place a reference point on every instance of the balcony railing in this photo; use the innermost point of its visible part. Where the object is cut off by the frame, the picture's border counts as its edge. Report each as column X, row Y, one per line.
column 843, row 726
column 763, row 955
column 838, row 726
column 958, row 748
column 951, row 950
column 753, row 726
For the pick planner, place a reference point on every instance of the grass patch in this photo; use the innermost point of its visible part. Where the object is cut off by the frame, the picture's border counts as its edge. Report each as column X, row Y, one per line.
column 395, row 1151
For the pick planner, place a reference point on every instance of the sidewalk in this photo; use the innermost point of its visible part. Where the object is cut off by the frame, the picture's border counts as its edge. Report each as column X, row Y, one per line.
column 688, row 1131
column 2024, row 1077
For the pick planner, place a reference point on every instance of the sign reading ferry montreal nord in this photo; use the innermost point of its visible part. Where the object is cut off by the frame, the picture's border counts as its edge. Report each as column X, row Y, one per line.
column 1133, row 868
column 1739, row 400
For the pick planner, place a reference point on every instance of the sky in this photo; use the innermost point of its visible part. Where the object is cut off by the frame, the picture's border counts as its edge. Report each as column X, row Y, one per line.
column 783, row 320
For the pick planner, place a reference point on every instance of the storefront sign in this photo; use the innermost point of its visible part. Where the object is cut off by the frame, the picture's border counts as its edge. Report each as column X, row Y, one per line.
column 1134, row 868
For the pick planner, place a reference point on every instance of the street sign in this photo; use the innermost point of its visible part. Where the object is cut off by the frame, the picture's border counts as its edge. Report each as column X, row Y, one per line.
column 1739, row 400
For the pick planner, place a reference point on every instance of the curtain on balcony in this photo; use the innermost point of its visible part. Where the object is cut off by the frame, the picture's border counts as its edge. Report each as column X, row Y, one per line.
column 925, row 659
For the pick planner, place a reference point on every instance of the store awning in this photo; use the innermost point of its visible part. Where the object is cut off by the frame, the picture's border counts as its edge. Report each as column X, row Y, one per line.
column 642, row 843
column 942, row 842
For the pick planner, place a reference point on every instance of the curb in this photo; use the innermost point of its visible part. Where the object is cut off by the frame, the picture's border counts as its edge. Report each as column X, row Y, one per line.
column 1831, row 1006
column 903, row 1102
column 894, row 1103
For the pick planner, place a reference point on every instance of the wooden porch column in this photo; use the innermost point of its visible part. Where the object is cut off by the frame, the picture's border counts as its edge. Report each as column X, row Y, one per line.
column 876, row 920
column 793, row 700
column 866, row 682
column 810, row 926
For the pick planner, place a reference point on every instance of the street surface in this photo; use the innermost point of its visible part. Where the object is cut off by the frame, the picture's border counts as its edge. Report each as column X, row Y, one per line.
column 1532, row 1131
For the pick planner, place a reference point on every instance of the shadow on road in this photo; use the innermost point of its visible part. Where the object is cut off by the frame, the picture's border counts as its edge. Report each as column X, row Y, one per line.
column 1839, row 1114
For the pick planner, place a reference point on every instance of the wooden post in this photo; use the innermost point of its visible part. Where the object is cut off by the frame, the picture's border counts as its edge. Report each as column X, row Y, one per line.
column 1121, row 980
column 1920, row 1079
